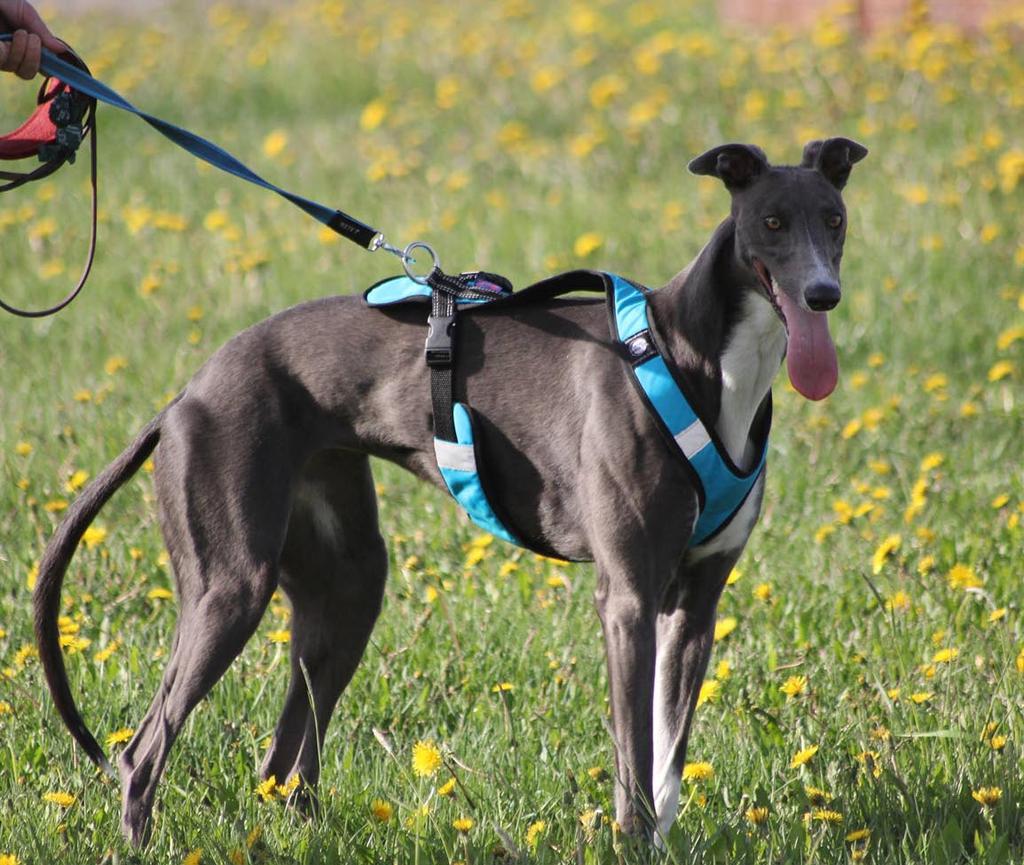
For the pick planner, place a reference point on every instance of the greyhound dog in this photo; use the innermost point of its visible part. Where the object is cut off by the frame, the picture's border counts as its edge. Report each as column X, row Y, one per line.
column 262, row 476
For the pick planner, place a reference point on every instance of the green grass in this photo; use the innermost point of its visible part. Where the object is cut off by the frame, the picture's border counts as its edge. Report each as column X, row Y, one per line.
column 473, row 154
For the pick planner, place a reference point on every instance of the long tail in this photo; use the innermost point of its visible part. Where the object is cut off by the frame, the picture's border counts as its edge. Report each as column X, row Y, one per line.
column 54, row 563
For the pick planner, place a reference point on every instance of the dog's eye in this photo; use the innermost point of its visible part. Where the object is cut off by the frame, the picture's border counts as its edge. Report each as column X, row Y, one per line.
column 773, row 222
column 835, row 220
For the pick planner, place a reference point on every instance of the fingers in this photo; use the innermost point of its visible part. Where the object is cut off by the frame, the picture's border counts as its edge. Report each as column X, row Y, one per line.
column 15, row 51
column 22, row 55
column 33, row 56
column 31, row 21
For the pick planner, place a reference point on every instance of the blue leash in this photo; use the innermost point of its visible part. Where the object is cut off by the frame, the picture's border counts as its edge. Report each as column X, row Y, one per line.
column 347, row 226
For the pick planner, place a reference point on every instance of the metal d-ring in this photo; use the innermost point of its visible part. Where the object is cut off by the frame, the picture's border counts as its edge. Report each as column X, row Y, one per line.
column 407, row 260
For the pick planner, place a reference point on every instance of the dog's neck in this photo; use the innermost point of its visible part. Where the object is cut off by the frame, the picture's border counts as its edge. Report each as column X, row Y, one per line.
column 723, row 337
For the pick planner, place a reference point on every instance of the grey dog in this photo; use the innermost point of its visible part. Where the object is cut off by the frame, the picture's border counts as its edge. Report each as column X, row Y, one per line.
column 262, row 476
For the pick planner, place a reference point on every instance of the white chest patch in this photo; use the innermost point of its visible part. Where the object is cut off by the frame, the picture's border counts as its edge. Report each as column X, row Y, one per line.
column 749, row 364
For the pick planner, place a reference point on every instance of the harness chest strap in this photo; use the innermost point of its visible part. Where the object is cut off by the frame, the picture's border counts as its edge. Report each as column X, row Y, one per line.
column 723, row 487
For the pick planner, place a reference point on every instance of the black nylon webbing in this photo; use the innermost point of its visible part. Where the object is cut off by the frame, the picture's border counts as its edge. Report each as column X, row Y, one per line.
column 442, row 307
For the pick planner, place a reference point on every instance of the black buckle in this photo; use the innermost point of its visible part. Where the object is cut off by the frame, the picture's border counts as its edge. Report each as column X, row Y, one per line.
column 66, row 114
column 438, row 347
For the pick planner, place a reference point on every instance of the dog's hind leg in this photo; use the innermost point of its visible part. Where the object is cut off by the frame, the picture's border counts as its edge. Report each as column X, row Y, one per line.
column 333, row 569
column 224, row 525
column 685, row 635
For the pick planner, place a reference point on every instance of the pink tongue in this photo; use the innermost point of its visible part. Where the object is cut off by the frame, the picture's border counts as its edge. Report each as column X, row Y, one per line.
column 811, row 357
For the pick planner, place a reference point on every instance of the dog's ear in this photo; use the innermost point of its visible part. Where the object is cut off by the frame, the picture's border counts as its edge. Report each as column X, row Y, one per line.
column 833, row 157
column 736, row 165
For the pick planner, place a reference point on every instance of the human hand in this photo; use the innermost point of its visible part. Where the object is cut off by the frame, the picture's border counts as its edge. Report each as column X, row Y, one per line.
column 23, row 53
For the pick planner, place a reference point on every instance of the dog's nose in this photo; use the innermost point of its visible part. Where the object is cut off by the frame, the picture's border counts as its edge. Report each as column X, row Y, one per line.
column 822, row 296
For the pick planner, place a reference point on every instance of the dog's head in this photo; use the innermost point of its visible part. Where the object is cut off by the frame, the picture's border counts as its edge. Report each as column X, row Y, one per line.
column 790, row 229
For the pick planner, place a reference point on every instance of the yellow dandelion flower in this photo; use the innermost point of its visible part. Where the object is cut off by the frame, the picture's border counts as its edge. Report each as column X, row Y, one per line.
column 962, row 577
column 945, row 656
column 757, row 816
column 288, row 787
column 447, row 788
column 1009, row 336
column 823, row 815
column 709, row 691
column 723, row 671
column 1000, row 501
column 858, row 835
column 381, row 810
column 932, row 461
column 724, row 627
column 698, row 772
column 803, row 756
column 884, row 550
column 266, row 788
column 533, row 833
column 94, row 536
column 119, row 736
column 852, row 428
column 996, row 615
column 763, row 591
column 114, row 364
column 823, row 532
column 920, row 697
column 969, row 408
column 426, row 758
column 275, row 143
column 282, row 636
column 23, row 449
column 507, row 568
column 596, row 773
column 587, row 243
column 76, row 481
column 794, row 686
column 462, row 824
column 926, row 565
column 193, row 858
column 373, row 114
column 898, row 602
column 159, row 594
column 734, row 576
column 502, row 686
column 59, row 798
column 817, row 796
column 987, row 796
column 916, row 193
column 216, row 220
column 1000, row 370
column 997, row 743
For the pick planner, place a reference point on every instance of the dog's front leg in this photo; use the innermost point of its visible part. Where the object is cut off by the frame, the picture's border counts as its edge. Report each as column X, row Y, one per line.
column 685, row 634
column 627, row 618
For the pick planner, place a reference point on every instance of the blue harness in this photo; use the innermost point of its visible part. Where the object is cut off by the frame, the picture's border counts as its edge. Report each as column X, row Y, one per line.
column 722, row 486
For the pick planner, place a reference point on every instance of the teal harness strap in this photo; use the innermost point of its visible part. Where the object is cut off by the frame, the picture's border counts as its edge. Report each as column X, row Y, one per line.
column 724, row 488
column 457, row 462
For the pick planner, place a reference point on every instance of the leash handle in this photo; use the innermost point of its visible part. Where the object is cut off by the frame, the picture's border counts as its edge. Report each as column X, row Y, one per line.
column 60, row 152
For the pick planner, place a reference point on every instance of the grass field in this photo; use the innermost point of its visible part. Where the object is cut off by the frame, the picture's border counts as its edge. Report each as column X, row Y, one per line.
column 874, row 628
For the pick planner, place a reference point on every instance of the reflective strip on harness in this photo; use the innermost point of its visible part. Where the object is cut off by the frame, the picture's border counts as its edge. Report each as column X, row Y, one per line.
column 724, row 489
column 457, row 462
